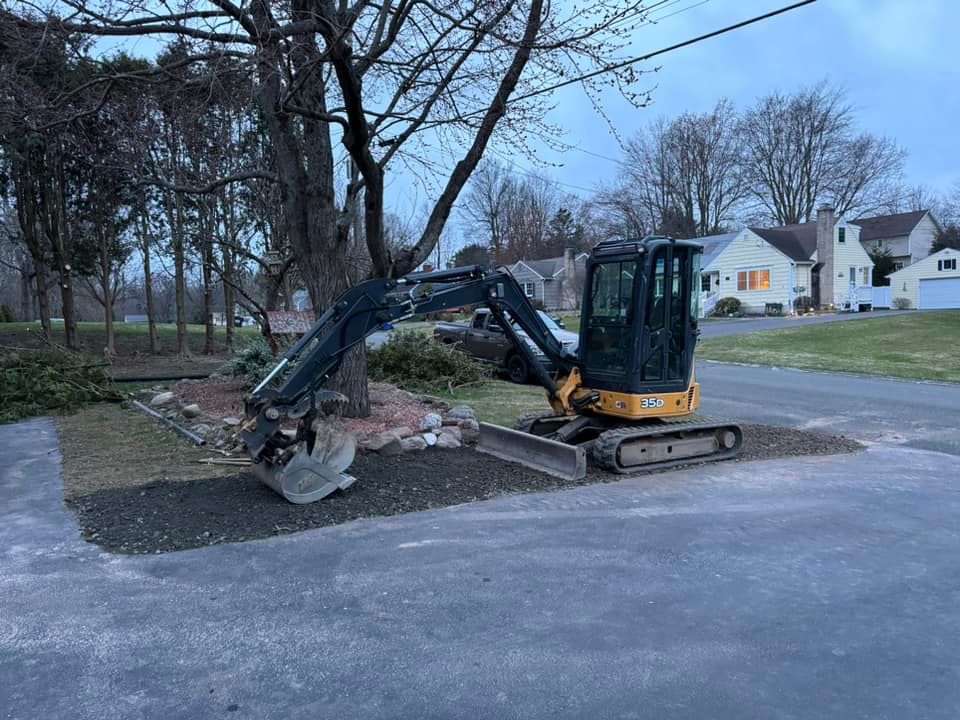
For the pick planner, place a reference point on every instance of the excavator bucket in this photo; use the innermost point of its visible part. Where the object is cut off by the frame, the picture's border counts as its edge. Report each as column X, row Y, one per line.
column 310, row 476
column 539, row 453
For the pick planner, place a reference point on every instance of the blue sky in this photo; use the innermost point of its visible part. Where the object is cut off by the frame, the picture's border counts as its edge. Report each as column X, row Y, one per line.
column 896, row 60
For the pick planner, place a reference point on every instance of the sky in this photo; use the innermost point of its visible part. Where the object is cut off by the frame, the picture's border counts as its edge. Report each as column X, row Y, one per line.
column 895, row 60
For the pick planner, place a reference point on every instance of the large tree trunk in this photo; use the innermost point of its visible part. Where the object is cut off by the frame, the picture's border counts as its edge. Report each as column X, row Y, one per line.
column 148, row 287
column 106, row 289
column 305, row 170
column 43, row 299
column 26, row 297
column 229, row 297
column 55, row 219
column 207, row 270
column 174, row 207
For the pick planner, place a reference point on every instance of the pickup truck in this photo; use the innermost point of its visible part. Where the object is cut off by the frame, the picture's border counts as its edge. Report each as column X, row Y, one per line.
column 484, row 339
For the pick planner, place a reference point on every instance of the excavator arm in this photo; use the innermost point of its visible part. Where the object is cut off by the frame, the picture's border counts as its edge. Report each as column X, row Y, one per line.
column 308, row 466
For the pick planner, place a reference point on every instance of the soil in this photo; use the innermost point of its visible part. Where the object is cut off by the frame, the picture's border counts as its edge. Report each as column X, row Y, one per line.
column 390, row 407
column 165, row 515
column 218, row 397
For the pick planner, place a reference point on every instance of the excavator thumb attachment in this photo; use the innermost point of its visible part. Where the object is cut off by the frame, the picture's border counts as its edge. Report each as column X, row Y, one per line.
column 539, row 453
column 310, row 476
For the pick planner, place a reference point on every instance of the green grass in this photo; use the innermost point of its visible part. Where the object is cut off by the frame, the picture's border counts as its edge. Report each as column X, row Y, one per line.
column 130, row 338
column 499, row 401
column 922, row 346
column 571, row 322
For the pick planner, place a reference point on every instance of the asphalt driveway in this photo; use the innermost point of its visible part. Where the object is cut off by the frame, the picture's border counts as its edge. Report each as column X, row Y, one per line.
column 815, row 587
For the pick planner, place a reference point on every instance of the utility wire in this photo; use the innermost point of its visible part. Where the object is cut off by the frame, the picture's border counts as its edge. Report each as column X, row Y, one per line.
column 655, row 53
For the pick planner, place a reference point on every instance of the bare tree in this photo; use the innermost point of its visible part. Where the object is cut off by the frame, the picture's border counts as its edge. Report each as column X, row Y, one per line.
column 388, row 77
column 801, row 151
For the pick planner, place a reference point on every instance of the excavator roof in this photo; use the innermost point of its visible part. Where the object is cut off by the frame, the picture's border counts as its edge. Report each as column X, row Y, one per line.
column 637, row 246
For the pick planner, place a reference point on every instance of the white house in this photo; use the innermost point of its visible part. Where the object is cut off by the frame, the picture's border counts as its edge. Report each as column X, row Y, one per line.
column 908, row 236
column 821, row 260
column 932, row 283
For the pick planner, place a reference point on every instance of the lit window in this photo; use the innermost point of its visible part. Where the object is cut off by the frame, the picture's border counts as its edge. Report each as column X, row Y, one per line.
column 751, row 280
column 948, row 264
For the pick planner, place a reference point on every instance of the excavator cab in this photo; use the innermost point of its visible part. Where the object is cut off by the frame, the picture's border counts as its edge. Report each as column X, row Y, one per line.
column 639, row 324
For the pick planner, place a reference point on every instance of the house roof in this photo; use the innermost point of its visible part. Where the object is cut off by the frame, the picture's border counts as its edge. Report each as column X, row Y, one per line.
column 547, row 268
column 797, row 242
column 888, row 226
column 713, row 245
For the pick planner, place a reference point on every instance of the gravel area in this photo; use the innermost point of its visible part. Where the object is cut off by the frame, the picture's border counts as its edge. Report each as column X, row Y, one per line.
column 165, row 516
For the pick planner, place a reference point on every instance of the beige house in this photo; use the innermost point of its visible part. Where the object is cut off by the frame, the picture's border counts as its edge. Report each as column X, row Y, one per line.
column 930, row 284
column 908, row 236
column 770, row 268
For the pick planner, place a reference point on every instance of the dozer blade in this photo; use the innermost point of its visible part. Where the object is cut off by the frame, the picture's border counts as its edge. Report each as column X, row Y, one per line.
column 308, row 477
column 539, row 453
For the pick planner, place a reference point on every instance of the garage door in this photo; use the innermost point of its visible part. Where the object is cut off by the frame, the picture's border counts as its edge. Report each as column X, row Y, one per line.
column 936, row 293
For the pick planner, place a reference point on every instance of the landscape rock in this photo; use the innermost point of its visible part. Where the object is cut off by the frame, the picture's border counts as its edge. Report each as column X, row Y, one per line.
column 462, row 412
column 385, row 443
column 162, row 399
column 201, row 429
column 431, row 421
column 191, row 411
column 430, row 438
column 469, row 432
column 448, row 441
column 433, row 401
column 452, row 431
column 413, row 443
column 231, row 421
column 402, row 432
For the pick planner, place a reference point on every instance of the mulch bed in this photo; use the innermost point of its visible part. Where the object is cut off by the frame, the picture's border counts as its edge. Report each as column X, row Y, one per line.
column 166, row 516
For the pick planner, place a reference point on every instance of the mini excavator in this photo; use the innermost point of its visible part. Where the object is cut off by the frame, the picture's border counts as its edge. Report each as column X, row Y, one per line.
column 627, row 395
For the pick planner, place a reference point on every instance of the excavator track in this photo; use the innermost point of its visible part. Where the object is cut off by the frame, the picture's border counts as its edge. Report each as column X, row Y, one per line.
column 666, row 443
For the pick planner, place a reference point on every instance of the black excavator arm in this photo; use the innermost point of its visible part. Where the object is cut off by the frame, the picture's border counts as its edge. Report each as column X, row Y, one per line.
column 365, row 308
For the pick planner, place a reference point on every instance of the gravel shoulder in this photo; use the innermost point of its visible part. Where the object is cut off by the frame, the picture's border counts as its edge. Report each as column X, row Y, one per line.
column 132, row 511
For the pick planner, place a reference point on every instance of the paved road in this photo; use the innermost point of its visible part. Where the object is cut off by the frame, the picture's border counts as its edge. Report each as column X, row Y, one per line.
column 817, row 587
column 914, row 414
column 742, row 326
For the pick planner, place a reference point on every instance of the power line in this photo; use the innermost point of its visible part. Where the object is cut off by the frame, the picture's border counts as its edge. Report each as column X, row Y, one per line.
column 655, row 53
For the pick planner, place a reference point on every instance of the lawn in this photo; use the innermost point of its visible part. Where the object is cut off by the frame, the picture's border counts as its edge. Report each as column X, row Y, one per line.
column 922, row 346
column 499, row 401
column 132, row 343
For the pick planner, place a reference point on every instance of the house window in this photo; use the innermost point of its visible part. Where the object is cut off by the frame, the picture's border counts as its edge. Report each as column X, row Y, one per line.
column 705, row 283
column 841, row 234
column 529, row 289
column 897, row 266
column 751, row 280
column 949, row 264
column 865, row 273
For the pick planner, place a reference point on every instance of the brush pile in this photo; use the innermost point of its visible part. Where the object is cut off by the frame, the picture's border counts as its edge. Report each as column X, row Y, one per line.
column 37, row 382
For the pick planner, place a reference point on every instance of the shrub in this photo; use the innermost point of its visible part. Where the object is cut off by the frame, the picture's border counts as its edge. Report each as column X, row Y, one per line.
column 413, row 361
column 36, row 382
column 901, row 303
column 803, row 304
column 6, row 314
column 252, row 362
column 727, row 306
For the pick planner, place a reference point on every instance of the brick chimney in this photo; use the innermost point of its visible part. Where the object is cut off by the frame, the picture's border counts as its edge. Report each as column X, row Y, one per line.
column 570, row 289
column 825, row 223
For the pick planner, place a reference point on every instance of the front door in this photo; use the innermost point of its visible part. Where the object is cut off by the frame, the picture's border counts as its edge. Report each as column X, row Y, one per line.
column 670, row 323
